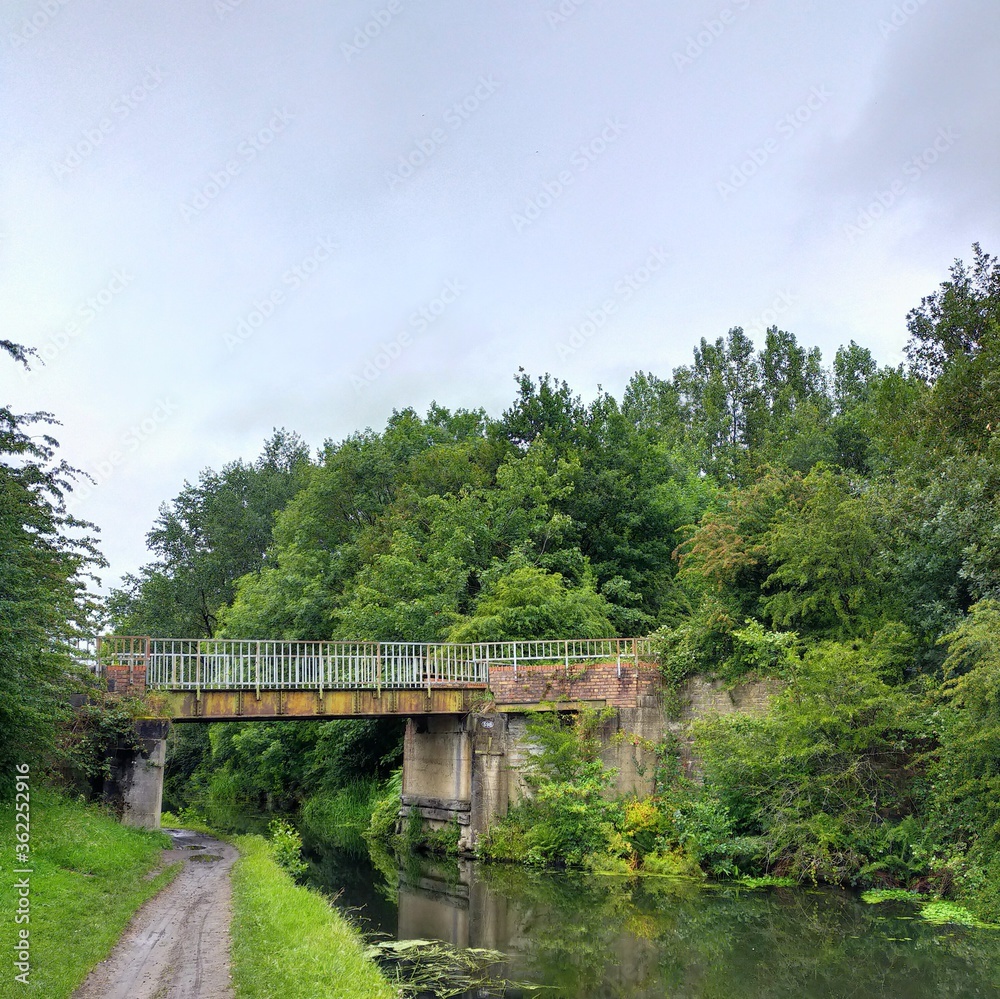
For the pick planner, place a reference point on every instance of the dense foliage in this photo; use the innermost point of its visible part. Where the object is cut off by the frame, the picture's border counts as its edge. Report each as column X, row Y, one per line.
column 764, row 514
column 46, row 557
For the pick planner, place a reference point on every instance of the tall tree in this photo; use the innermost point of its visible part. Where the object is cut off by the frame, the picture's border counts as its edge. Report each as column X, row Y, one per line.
column 46, row 561
column 207, row 538
column 722, row 400
column 955, row 346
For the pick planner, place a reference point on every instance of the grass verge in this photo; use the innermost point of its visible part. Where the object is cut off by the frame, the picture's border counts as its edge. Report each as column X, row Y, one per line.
column 88, row 876
column 288, row 941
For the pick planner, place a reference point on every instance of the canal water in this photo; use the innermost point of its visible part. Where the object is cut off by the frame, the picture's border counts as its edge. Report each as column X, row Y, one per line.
column 586, row 936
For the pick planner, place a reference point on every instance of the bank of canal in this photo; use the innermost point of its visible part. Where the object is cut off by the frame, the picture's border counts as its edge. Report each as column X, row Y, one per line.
column 585, row 936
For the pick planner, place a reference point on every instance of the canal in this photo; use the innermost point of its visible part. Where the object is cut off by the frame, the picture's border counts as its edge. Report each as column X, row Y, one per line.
column 586, row 936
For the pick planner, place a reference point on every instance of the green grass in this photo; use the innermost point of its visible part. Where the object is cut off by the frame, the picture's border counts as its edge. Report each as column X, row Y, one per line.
column 288, row 941
column 89, row 875
column 189, row 822
column 341, row 817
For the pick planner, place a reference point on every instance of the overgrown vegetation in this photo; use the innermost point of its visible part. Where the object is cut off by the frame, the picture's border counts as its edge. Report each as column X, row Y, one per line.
column 421, row 968
column 47, row 557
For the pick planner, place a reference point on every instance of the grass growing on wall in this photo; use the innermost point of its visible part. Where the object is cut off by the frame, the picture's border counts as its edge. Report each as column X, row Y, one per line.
column 288, row 940
column 89, row 874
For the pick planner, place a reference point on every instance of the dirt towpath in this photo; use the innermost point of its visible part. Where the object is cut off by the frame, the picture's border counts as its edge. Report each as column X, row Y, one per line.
column 177, row 945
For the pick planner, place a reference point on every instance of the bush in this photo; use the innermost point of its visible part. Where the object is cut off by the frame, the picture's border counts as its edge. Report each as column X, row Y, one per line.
column 825, row 781
column 568, row 815
column 506, row 840
column 385, row 810
column 286, row 843
column 674, row 863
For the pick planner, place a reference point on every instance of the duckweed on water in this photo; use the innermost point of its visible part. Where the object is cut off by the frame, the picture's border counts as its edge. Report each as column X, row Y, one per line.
column 939, row 912
column 432, row 967
column 875, row 895
column 932, row 910
column 766, row 881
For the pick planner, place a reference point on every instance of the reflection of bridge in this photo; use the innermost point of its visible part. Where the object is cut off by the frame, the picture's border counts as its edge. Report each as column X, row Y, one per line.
column 466, row 738
column 214, row 679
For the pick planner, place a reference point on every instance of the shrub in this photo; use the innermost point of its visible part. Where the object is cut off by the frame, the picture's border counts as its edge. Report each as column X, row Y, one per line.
column 287, row 846
column 675, row 863
column 385, row 811
column 568, row 815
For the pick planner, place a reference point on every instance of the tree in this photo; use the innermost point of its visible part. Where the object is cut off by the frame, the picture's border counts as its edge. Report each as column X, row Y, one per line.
column 47, row 558
column 208, row 537
column 532, row 603
column 722, row 402
column 970, row 759
column 955, row 347
column 830, row 570
column 549, row 410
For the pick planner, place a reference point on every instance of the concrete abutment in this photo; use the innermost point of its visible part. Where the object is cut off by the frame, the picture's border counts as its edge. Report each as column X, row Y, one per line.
column 135, row 787
column 469, row 769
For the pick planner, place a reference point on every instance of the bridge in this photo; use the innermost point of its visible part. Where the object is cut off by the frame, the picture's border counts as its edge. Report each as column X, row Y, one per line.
column 466, row 707
column 233, row 679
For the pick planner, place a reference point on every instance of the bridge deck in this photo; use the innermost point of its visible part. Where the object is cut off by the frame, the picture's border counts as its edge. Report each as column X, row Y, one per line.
column 208, row 679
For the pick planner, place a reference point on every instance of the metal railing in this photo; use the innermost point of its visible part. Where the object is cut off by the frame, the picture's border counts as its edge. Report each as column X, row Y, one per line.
column 553, row 651
column 235, row 664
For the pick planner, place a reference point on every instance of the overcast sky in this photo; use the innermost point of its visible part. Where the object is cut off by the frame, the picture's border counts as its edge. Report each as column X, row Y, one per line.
column 221, row 216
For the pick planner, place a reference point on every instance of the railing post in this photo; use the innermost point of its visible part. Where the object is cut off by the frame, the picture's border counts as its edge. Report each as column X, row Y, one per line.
column 566, row 654
column 197, row 670
column 618, row 647
column 256, row 672
column 514, row 645
column 378, row 670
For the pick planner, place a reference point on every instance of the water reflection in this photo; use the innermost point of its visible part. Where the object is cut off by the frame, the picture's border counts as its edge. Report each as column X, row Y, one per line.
column 589, row 936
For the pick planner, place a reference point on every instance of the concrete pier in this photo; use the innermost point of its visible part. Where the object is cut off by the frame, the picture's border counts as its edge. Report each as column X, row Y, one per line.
column 136, row 785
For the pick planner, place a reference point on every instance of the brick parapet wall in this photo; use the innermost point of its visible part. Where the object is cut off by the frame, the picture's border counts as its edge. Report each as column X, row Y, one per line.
column 127, row 680
column 531, row 684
